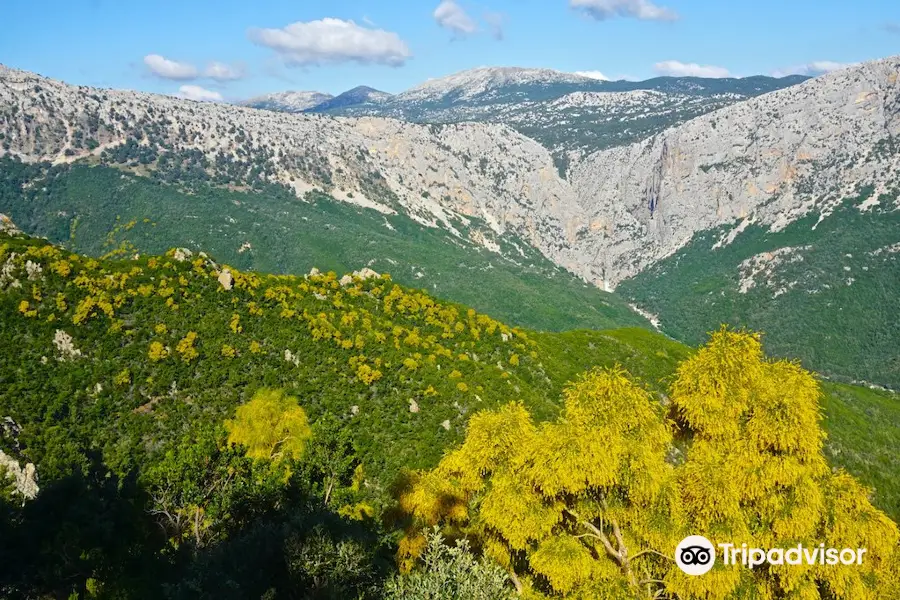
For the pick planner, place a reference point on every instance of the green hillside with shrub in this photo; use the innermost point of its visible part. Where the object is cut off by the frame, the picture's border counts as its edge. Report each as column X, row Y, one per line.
column 825, row 289
column 122, row 378
column 157, row 328
column 267, row 228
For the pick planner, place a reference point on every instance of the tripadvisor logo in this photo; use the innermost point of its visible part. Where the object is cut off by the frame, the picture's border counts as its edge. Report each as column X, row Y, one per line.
column 695, row 555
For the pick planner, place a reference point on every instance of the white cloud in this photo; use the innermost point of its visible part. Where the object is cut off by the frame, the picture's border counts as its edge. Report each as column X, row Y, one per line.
column 200, row 94
column 635, row 9
column 495, row 21
column 593, row 75
column 332, row 41
column 813, row 69
column 223, row 72
column 451, row 15
column 676, row 68
column 169, row 69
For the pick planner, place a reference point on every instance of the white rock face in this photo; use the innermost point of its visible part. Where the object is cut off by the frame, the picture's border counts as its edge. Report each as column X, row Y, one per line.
column 226, row 280
column 7, row 226
column 366, row 273
column 65, row 346
column 33, row 270
column 762, row 268
column 182, row 254
column 772, row 158
column 291, row 357
column 25, row 479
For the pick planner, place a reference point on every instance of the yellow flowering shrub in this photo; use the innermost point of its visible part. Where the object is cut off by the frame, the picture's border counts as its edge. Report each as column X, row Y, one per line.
column 122, row 379
column 186, row 347
column 156, row 352
column 367, row 374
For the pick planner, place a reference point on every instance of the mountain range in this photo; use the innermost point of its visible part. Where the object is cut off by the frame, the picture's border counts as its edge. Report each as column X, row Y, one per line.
column 293, row 102
column 680, row 160
column 570, row 114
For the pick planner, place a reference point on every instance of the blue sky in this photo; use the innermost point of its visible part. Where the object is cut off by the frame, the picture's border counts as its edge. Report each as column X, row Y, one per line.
column 236, row 49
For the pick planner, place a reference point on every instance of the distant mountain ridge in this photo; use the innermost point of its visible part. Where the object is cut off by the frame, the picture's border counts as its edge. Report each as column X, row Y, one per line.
column 531, row 101
column 292, row 102
column 296, row 102
column 361, row 94
column 485, row 85
column 476, row 83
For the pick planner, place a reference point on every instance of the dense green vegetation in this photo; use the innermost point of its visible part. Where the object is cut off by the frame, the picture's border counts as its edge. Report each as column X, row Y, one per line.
column 272, row 230
column 826, row 289
column 160, row 329
column 863, row 437
column 122, row 376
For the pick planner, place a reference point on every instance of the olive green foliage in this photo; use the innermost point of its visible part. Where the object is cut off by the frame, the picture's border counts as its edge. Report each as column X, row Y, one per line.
column 831, row 298
column 863, row 428
column 451, row 573
column 7, row 487
column 80, row 206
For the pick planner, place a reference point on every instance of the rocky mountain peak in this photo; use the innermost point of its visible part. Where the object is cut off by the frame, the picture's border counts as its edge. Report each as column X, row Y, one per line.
column 289, row 101
column 475, row 82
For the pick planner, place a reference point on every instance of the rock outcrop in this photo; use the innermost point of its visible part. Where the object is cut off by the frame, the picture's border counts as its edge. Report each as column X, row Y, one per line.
column 771, row 159
column 7, row 226
column 226, row 280
column 24, row 479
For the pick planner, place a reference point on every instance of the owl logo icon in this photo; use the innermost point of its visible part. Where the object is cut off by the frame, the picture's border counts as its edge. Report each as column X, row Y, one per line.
column 695, row 555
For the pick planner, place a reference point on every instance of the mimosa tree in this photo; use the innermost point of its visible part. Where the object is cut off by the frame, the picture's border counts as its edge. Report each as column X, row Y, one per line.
column 272, row 426
column 593, row 504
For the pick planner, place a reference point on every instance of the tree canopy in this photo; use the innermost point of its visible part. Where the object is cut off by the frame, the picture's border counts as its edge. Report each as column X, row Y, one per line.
column 272, row 426
column 594, row 503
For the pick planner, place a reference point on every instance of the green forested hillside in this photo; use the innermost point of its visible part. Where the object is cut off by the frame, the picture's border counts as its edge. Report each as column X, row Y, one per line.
column 269, row 229
column 825, row 289
column 120, row 375
column 863, row 437
column 164, row 346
